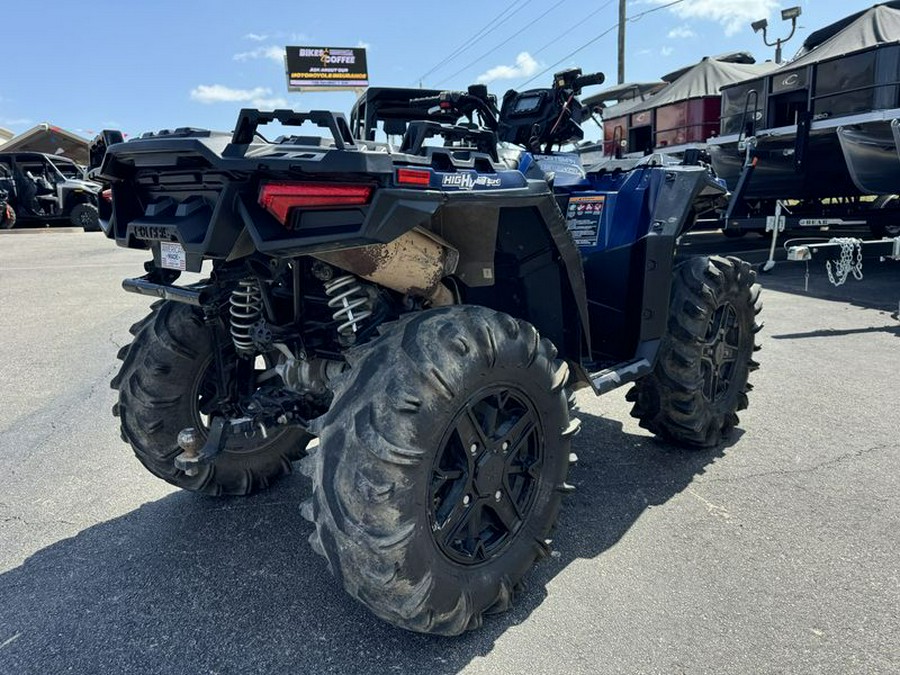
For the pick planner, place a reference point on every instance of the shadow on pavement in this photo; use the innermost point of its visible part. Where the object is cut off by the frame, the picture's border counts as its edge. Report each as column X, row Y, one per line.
column 188, row 584
column 828, row 332
column 878, row 289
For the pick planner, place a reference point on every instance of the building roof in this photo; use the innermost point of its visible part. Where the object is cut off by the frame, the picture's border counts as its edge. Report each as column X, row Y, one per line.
column 51, row 140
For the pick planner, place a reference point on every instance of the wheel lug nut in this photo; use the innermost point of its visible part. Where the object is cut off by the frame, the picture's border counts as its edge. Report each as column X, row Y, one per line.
column 466, row 500
column 498, row 495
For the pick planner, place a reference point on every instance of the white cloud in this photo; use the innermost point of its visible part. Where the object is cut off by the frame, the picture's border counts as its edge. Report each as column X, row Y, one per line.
column 681, row 32
column 256, row 37
column 272, row 52
column 259, row 97
column 732, row 14
column 525, row 66
column 666, row 51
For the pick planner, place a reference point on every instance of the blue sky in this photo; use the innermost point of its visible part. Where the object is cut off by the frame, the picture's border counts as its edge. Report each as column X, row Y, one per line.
column 142, row 66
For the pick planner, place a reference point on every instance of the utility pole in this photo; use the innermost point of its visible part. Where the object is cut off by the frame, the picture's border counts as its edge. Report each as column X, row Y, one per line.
column 621, row 41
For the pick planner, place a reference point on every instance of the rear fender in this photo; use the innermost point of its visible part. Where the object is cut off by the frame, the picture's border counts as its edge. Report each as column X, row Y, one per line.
column 516, row 256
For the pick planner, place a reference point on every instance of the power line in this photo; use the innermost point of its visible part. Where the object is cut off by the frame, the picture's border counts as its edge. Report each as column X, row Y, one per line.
column 489, row 27
column 570, row 54
column 601, row 35
column 506, row 41
column 581, row 21
column 631, row 19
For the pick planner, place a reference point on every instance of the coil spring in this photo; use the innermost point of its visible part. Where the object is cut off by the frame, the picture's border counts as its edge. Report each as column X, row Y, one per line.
column 350, row 302
column 245, row 311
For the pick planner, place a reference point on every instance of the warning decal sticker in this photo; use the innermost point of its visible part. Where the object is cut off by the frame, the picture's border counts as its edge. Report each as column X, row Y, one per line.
column 583, row 218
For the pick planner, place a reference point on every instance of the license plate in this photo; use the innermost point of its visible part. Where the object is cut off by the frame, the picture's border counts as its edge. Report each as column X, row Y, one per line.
column 172, row 256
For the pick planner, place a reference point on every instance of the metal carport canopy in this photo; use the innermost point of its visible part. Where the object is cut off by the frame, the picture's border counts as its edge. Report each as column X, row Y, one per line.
column 51, row 140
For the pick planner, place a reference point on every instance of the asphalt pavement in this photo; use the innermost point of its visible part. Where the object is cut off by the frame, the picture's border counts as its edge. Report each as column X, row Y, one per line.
column 776, row 553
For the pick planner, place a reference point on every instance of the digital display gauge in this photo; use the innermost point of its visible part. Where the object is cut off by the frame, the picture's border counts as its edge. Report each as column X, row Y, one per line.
column 527, row 103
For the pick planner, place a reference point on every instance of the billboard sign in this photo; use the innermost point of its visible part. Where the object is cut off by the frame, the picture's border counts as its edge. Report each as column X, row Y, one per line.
column 326, row 68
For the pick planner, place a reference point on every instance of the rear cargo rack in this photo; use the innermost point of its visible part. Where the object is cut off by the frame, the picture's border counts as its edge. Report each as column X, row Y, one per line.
column 250, row 119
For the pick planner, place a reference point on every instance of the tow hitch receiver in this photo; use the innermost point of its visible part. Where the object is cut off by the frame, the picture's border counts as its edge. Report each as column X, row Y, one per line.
column 195, row 451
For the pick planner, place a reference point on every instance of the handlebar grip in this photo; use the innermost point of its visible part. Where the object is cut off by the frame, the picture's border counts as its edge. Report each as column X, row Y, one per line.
column 427, row 100
column 589, row 80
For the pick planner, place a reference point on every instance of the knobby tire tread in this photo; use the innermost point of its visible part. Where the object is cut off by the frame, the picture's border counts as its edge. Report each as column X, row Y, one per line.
column 376, row 448
column 670, row 402
column 170, row 350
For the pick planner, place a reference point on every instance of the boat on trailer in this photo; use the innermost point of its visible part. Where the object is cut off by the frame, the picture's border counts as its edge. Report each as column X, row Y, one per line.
column 678, row 114
column 824, row 125
column 613, row 104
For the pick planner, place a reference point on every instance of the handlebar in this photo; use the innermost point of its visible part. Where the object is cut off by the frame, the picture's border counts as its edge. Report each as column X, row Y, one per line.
column 463, row 103
column 426, row 101
column 588, row 80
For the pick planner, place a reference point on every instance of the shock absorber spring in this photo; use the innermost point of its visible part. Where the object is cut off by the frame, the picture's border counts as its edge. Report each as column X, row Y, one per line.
column 245, row 311
column 350, row 302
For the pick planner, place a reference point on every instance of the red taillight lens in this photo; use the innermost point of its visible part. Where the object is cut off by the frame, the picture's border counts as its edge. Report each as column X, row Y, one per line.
column 280, row 197
column 419, row 177
column 107, row 194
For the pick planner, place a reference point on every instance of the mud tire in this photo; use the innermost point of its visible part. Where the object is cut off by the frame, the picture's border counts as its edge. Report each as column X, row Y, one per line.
column 393, row 415
column 157, row 384
column 85, row 216
column 680, row 401
column 7, row 218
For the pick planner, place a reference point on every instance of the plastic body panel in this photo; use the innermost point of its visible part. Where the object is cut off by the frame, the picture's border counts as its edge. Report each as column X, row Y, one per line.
column 628, row 266
column 600, row 302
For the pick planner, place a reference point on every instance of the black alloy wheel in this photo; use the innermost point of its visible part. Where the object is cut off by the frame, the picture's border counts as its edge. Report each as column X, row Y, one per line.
column 721, row 348
column 484, row 478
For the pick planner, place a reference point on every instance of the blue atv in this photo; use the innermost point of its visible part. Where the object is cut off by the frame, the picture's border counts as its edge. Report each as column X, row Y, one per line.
column 425, row 309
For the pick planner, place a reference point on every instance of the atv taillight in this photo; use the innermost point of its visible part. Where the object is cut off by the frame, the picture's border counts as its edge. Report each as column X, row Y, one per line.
column 107, row 194
column 279, row 198
column 417, row 177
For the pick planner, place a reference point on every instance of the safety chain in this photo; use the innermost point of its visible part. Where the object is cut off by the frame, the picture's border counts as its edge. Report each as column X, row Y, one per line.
column 848, row 262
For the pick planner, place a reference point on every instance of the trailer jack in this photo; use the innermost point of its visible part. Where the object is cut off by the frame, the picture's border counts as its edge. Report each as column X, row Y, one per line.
column 774, row 224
